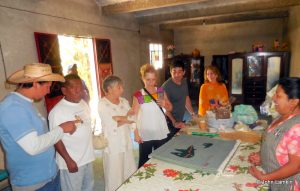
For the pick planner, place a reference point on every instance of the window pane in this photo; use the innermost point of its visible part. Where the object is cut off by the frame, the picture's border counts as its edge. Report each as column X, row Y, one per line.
column 236, row 73
column 156, row 55
column 273, row 73
column 151, row 47
column 160, row 47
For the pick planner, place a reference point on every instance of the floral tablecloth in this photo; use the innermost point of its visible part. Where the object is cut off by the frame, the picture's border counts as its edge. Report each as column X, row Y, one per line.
column 158, row 175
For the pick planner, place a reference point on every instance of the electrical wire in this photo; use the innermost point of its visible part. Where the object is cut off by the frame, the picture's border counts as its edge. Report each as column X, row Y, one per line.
column 3, row 62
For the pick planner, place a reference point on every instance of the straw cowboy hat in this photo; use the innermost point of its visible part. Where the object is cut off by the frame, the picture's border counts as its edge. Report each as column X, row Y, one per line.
column 35, row 72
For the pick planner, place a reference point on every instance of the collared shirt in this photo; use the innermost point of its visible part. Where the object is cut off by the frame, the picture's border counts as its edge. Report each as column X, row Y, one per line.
column 18, row 117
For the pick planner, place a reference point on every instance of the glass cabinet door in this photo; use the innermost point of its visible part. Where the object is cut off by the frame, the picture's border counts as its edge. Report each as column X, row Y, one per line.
column 237, row 76
column 254, row 66
column 273, row 73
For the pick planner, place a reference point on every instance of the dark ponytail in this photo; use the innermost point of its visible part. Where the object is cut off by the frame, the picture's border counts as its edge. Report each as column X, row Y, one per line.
column 291, row 87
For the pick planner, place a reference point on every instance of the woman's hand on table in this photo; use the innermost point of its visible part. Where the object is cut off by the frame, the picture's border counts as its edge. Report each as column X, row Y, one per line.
column 256, row 173
column 179, row 125
column 195, row 116
column 254, row 158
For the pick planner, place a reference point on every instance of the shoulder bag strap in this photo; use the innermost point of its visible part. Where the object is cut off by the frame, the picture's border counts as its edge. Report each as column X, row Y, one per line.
column 154, row 100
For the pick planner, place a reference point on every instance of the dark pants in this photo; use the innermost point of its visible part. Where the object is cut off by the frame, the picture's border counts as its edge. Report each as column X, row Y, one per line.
column 146, row 147
column 173, row 130
column 172, row 133
column 53, row 185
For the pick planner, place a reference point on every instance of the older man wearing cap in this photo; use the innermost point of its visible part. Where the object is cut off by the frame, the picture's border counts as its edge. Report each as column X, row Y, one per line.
column 24, row 135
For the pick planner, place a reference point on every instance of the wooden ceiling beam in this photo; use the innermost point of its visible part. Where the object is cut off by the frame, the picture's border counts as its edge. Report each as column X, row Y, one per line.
column 219, row 7
column 229, row 18
column 141, row 5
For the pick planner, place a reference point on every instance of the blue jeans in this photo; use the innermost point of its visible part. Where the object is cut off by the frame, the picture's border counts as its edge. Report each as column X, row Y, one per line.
column 53, row 185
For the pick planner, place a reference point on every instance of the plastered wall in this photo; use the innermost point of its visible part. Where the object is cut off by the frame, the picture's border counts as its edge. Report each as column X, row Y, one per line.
column 152, row 34
column 19, row 20
column 294, row 40
column 224, row 38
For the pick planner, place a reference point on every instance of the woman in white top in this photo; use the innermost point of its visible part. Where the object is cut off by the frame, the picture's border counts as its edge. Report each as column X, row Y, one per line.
column 152, row 128
column 118, row 158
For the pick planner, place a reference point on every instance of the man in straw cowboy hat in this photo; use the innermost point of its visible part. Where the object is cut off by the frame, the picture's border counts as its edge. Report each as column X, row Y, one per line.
column 24, row 134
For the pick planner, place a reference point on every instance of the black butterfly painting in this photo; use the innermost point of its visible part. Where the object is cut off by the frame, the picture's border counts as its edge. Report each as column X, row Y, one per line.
column 185, row 153
column 206, row 145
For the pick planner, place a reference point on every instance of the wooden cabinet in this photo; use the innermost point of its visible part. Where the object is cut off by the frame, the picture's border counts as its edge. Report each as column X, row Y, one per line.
column 251, row 75
column 194, row 71
column 254, row 91
column 221, row 62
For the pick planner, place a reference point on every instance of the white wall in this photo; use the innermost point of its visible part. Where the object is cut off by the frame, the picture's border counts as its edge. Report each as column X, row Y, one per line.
column 152, row 34
column 19, row 19
column 294, row 40
column 223, row 38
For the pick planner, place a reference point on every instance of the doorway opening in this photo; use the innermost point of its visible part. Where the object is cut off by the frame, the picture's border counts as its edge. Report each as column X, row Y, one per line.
column 79, row 51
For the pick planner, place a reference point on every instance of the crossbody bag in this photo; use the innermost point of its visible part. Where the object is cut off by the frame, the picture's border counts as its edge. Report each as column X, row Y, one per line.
column 169, row 121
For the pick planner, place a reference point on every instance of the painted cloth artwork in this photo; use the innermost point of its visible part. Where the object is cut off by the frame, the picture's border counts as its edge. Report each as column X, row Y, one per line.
column 185, row 153
column 171, row 177
column 200, row 153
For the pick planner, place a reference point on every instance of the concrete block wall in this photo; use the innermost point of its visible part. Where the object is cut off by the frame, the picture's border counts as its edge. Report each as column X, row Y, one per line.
column 294, row 40
column 19, row 20
column 224, row 38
